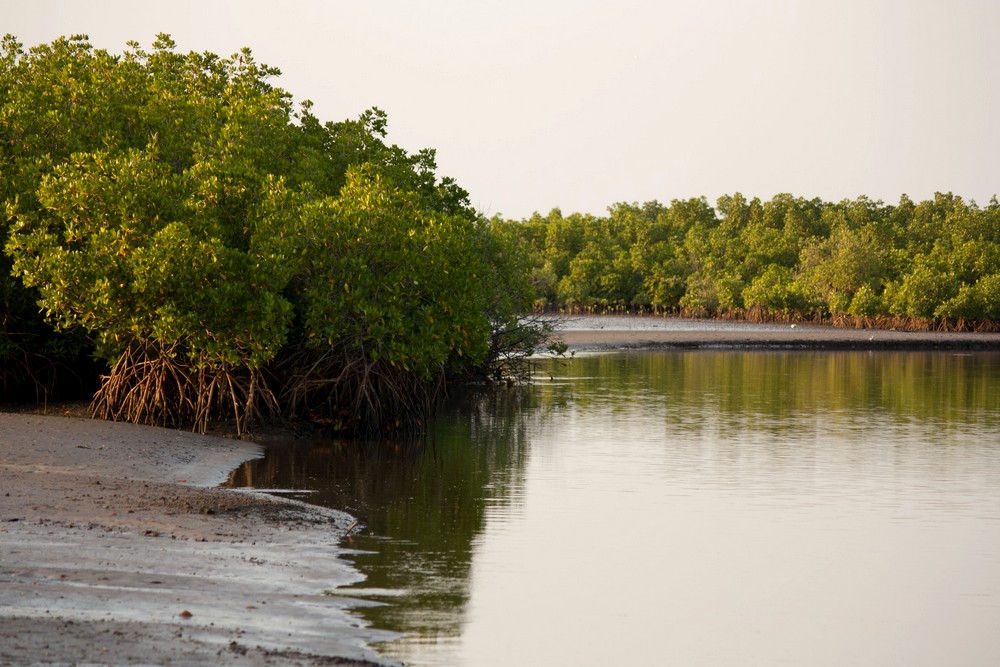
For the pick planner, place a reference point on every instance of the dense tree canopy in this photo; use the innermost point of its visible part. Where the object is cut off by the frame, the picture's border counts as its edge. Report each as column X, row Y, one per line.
column 211, row 239
column 922, row 264
column 227, row 254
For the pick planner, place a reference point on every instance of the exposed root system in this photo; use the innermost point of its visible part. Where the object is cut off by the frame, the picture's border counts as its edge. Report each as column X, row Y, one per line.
column 159, row 387
column 347, row 391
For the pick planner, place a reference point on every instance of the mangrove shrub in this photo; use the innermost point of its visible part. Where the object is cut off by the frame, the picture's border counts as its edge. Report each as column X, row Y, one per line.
column 231, row 257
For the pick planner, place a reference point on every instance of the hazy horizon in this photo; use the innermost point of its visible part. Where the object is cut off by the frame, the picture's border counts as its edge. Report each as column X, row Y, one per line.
column 579, row 105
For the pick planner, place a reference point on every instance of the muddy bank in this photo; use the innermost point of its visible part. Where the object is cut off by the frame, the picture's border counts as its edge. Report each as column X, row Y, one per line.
column 610, row 333
column 113, row 551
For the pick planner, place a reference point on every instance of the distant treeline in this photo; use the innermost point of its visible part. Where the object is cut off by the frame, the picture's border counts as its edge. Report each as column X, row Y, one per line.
column 935, row 263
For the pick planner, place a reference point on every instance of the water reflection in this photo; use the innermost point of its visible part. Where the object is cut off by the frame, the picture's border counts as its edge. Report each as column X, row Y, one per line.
column 424, row 502
column 705, row 506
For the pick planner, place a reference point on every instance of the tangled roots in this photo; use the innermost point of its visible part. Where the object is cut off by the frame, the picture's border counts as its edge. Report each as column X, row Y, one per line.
column 346, row 390
column 159, row 387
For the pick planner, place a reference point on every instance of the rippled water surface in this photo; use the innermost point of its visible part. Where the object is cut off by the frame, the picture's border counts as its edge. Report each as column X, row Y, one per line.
column 692, row 507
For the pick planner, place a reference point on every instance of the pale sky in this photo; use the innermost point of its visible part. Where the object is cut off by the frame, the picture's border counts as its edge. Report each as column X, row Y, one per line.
column 578, row 104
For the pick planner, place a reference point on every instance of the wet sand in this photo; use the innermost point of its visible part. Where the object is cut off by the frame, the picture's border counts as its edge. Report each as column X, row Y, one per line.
column 618, row 333
column 113, row 550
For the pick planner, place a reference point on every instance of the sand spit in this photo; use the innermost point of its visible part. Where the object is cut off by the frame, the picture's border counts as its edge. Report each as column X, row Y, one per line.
column 617, row 333
column 114, row 551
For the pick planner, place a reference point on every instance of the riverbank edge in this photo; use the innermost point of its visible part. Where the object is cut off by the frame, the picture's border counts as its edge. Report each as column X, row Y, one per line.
column 114, row 549
column 632, row 333
column 108, row 532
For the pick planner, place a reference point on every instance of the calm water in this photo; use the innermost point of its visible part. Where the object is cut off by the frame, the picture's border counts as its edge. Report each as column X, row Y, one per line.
column 694, row 508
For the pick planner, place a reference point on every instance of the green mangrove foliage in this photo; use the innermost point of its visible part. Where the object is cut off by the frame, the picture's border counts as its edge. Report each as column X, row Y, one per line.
column 409, row 286
column 933, row 263
column 231, row 257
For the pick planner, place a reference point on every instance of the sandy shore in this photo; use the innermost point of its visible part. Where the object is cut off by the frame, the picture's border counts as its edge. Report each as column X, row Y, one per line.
column 610, row 333
column 113, row 550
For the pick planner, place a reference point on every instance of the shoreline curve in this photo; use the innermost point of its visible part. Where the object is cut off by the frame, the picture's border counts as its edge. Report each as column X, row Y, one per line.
column 115, row 550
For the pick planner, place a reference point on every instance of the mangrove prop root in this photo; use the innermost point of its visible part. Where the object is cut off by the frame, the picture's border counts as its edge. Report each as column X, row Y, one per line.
column 341, row 385
column 159, row 387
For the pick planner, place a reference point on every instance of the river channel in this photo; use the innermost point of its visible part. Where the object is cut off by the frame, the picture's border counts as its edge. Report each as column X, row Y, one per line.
column 707, row 507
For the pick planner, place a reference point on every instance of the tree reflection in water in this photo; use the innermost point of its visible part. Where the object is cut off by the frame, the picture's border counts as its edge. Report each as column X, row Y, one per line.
column 424, row 501
column 745, row 420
